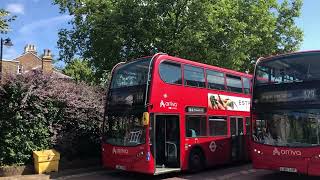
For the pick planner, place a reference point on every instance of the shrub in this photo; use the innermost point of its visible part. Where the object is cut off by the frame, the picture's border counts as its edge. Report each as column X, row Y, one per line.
column 40, row 112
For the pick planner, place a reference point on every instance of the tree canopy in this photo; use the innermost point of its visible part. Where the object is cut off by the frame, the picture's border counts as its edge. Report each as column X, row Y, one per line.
column 225, row 33
column 5, row 19
column 79, row 70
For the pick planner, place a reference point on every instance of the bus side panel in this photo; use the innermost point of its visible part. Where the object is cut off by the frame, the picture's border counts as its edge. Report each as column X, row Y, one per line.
column 314, row 166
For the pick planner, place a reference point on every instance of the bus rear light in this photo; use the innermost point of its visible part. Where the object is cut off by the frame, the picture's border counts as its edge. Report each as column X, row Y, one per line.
column 102, row 149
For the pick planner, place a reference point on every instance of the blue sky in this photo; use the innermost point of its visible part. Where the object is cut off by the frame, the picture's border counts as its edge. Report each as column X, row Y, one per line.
column 309, row 22
column 38, row 23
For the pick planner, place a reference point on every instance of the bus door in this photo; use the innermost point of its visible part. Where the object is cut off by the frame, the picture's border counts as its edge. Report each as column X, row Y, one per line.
column 167, row 142
column 237, row 138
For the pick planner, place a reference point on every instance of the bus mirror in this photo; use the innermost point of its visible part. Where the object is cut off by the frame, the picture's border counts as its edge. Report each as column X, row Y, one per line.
column 145, row 118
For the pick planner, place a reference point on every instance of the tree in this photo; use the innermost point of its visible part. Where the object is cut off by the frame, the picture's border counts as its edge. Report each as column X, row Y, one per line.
column 79, row 70
column 5, row 20
column 226, row 33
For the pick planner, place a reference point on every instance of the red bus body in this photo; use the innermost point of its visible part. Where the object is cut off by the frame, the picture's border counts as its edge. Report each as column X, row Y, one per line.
column 293, row 100
column 175, row 102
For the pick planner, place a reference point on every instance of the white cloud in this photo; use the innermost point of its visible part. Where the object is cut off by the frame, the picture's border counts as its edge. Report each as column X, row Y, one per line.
column 15, row 8
column 45, row 23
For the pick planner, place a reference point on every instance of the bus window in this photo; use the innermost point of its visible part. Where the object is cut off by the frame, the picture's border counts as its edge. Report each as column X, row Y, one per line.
column 234, row 83
column 215, row 80
column 132, row 74
column 246, row 85
column 194, row 76
column 218, row 126
column 247, row 125
column 170, row 72
column 195, row 126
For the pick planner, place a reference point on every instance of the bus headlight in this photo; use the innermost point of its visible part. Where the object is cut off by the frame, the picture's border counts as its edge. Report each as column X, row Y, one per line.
column 258, row 151
column 317, row 156
column 140, row 154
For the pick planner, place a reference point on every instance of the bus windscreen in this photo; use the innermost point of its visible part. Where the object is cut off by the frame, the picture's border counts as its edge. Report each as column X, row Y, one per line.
column 286, row 101
column 125, row 104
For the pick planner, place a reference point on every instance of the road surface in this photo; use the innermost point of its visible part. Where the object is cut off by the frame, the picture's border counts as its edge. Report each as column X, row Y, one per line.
column 229, row 172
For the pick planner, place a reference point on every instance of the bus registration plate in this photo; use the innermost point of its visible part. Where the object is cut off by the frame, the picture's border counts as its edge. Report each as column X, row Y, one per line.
column 120, row 167
column 287, row 169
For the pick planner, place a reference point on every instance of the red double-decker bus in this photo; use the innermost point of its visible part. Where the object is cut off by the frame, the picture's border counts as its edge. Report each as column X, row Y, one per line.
column 167, row 114
column 286, row 113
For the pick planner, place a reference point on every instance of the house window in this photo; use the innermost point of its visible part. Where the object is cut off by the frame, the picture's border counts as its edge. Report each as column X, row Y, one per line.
column 19, row 69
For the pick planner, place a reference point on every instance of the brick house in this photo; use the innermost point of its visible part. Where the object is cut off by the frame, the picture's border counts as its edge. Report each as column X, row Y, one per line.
column 27, row 62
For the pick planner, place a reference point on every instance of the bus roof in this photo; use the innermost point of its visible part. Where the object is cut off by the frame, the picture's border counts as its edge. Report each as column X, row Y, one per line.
column 286, row 54
column 186, row 61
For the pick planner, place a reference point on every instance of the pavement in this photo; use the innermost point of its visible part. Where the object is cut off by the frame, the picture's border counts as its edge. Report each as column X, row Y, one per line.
column 65, row 174
column 242, row 171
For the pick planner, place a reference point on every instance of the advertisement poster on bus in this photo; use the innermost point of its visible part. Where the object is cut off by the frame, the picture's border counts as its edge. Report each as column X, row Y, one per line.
column 223, row 102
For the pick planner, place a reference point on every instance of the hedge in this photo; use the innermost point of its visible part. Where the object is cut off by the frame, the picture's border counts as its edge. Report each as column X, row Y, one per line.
column 38, row 112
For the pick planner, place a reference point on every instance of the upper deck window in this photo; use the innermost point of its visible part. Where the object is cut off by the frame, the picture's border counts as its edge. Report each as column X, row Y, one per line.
column 170, row 72
column 234, row 83
column 194, row 76
column 215, row 80
column 246, row 85
column 288, row 69
column 131, row 74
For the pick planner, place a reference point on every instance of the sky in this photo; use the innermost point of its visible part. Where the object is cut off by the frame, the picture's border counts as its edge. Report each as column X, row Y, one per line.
column 309, row 23
column 38, row 23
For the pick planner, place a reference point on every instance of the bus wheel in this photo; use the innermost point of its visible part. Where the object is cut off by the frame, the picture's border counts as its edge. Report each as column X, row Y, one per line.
column 196, row 160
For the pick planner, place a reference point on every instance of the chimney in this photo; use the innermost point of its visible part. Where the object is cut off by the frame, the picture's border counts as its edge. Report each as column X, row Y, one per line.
column 30, row 48
column 47, row 62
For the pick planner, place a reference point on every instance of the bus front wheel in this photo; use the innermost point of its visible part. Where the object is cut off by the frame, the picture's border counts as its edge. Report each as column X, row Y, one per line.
column 196, row 160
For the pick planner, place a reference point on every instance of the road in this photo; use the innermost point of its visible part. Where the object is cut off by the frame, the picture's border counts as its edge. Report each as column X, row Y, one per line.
column 229, row 172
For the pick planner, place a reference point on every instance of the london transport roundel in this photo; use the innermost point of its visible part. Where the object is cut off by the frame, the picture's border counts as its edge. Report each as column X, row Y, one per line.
column 213, row 146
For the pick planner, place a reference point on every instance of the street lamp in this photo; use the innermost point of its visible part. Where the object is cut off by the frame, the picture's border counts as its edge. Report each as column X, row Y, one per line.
column 6, row 42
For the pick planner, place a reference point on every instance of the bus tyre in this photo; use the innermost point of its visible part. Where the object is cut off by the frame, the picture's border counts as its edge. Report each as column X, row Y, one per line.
column 196, row 161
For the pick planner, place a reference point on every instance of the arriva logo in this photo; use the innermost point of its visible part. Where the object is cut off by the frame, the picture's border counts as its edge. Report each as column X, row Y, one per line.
column 168, row 104
column 119, row 151
column 276, row 152
column 286, row 152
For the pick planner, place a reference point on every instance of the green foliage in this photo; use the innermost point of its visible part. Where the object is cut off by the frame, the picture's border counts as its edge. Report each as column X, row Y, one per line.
column 225, row 33
column 79, row 70
column 23, row 124
column 5, row 20
column 39, row 112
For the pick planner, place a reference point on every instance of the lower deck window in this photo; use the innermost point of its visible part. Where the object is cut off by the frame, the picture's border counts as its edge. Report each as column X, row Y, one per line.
column 217, row 126
column 195, row 126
